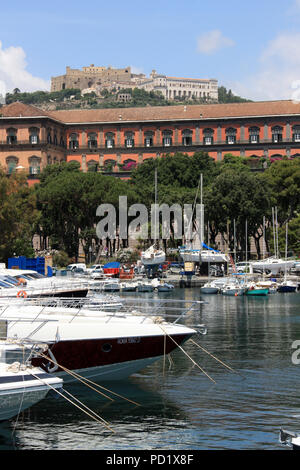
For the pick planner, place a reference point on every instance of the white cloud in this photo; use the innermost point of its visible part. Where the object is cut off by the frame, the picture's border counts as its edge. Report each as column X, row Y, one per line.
column 278, row 72
column 13, row 73
column 212, row 41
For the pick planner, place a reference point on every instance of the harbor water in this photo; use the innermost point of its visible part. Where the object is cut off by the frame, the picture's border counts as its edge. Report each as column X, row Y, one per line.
column 176, row 405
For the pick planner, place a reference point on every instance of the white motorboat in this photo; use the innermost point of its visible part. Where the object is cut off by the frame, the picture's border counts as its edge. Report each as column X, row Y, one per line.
column 28, row 283
column 128, row 286
column 112, row 285
column 96, row 344
column 21, row 385
column 153, row 256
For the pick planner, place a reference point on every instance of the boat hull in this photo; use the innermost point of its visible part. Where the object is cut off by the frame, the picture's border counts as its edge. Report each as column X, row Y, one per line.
column 252, row 292
column 108, row 359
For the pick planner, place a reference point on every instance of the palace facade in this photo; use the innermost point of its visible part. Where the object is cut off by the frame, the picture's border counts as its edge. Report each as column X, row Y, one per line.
column 116, row 140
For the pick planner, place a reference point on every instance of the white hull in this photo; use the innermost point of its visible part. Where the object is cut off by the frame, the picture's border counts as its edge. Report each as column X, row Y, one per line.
column 273, row 264
column 203, row 256
column 153, row 257
column 111, row 372
column 20, row 390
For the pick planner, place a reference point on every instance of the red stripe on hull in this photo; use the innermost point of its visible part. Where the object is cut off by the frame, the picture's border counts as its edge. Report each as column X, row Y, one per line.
column 83, row 354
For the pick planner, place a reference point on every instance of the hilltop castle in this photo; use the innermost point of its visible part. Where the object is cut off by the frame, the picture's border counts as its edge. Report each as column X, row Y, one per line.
column 100, row 78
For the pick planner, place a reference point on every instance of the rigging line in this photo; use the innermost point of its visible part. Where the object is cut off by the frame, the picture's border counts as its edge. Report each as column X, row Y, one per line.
column 95, row 417
column 214, row 357
column 196, row 197
column 86, row 382
column 195, row 363
column 76, row 376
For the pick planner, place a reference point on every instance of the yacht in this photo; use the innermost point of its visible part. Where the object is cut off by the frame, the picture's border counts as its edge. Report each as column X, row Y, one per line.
column 96, row 344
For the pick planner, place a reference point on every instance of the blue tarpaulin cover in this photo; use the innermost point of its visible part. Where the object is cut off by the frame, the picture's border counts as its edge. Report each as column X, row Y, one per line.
column 112, row 265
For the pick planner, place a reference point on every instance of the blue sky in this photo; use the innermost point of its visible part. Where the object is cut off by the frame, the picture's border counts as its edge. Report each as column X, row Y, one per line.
column 251, row 47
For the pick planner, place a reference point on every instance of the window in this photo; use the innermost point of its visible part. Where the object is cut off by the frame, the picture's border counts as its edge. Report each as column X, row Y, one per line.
column 34, row 135
column 73, row 142
column 109, row 140
column 296, row 133
column 276, row 134
column 208, row 138
column 148, row 139
column 92, row 140
column 254, row 135
column 11, row 136
column 187, row 137
column 129, row 139
column 11, row 164
column 167, row 138
column 230, row 135
column 34, row 165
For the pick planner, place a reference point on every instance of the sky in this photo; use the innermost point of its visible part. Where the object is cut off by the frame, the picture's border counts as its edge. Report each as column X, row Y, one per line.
column 252, row 48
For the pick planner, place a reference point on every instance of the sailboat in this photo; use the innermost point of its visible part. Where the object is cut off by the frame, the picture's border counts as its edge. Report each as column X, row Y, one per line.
column 205, row 253
column 153, row 255
column 287, row 285
column 274, row 264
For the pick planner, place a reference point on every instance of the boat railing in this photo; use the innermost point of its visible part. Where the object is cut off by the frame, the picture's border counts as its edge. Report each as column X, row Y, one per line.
column 107, row 306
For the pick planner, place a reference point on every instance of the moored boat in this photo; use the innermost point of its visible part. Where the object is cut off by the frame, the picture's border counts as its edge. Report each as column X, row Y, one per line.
column 96, row 344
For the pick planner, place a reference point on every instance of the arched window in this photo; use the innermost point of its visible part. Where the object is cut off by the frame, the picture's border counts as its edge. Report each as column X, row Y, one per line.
column 254, row 135
column 92, row 165
column 73, row 141
column 34, row 135
column 11, row 163
column 129, row 139
column 277, row 134
column 11, row 137
column 55, row 139
column 92, row 140
column 187, row 137
column 148, row 138
column 208, row 136
column 296, row 133
column 231, row 135
column 167, row 138
column 109, row 140
column 34, row 165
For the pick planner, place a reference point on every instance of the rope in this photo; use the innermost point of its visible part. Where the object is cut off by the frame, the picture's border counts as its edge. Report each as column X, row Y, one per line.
column 90, row 413
column 195, row 363
column 87, row 381
column 214, row 357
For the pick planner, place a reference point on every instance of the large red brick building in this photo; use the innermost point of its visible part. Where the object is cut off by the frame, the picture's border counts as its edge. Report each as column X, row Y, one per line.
column 116, row 139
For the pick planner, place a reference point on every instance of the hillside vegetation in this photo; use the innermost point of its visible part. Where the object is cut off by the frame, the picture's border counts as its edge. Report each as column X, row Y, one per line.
column 72, row 99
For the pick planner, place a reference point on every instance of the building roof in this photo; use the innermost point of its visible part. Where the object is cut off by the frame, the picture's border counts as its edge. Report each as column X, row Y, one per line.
column 182, row 112
column 18, row 109
column 158, row 113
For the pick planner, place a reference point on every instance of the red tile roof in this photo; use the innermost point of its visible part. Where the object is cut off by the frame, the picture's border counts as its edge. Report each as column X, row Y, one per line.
column 18, row 109
column 171, row 113
column 158, row 113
